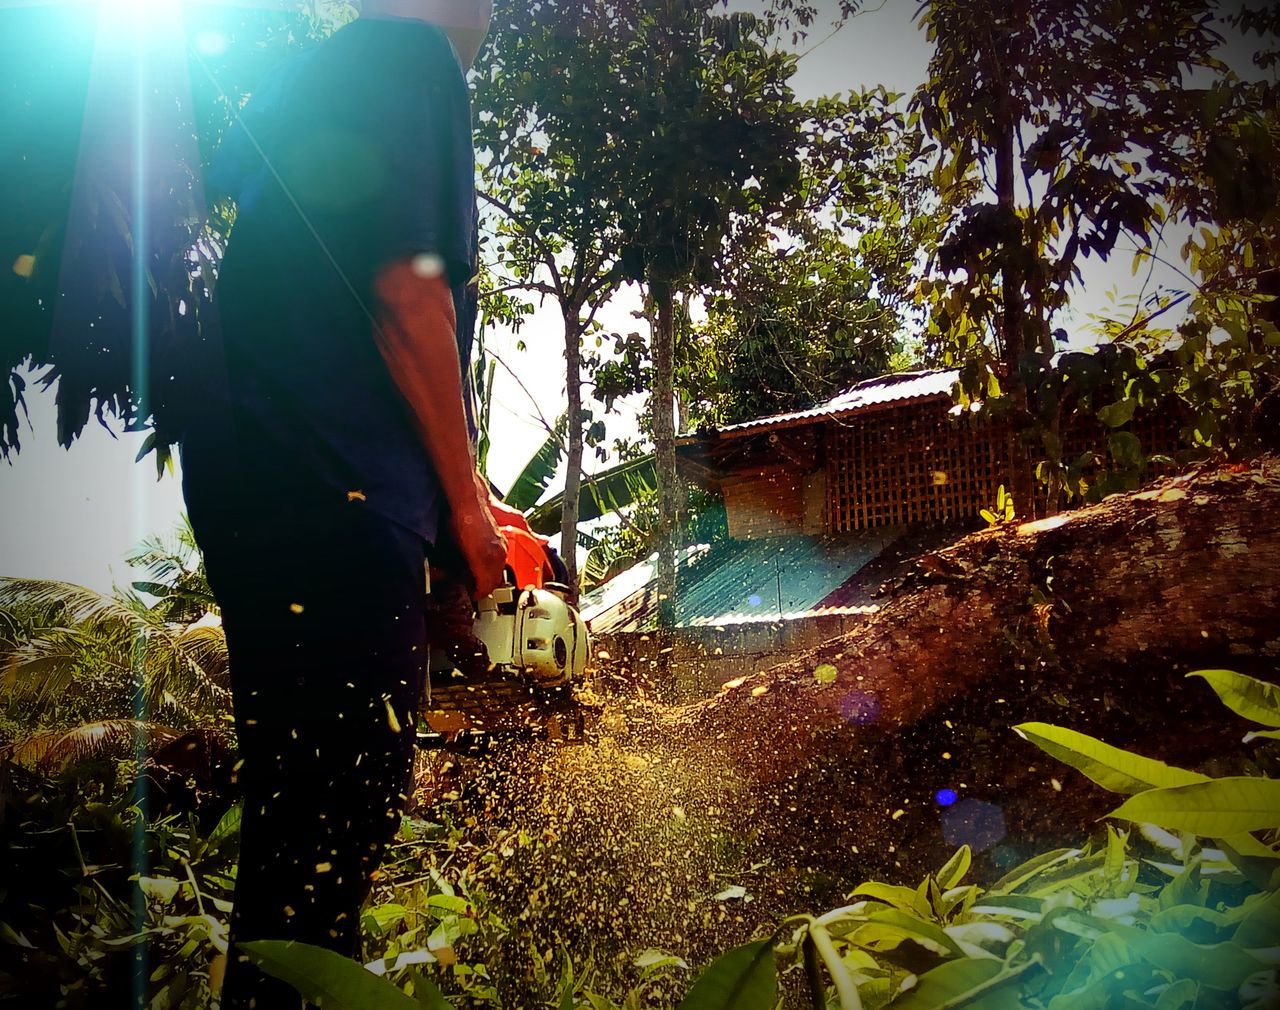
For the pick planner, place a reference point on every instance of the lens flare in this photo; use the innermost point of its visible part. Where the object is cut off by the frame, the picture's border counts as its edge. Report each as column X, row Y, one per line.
column 860, row 708
column 211, row 43
column 974, row 823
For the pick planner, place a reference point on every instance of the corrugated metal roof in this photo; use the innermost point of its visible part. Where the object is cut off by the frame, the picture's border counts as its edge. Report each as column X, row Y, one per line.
column 740, row 581
column 867, row 395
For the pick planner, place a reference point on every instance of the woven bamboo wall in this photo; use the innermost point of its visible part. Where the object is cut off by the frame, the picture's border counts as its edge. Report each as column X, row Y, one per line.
column 920, row 464
column 913, row 464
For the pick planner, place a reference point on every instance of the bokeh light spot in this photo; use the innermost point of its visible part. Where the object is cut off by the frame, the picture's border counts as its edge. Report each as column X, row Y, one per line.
column 753, row 600
column 860, row 708
column 211, row 43
column 945, row 797
column 975, row 823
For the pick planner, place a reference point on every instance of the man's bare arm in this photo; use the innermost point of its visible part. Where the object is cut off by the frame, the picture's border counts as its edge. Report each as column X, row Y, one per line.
column 416, row 336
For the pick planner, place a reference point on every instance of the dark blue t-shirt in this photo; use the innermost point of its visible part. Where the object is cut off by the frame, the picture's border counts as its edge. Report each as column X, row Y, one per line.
column 353, row 155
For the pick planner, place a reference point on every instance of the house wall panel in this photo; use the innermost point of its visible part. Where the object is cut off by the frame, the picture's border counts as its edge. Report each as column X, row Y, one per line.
column 765, row 502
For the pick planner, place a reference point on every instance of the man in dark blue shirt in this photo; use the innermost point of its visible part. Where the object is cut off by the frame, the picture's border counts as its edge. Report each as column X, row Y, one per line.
column 332, row 450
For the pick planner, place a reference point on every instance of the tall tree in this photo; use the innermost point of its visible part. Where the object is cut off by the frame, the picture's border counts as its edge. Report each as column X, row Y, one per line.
column 543, row 107
column 1062, row 127
column 636, row 141
column 828, row 298
column 710, row 155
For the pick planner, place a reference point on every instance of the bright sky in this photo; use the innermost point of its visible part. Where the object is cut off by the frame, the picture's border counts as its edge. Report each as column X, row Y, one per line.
column 75, row 514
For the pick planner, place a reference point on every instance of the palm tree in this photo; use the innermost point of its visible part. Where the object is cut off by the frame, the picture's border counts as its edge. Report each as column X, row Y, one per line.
column 95, row 674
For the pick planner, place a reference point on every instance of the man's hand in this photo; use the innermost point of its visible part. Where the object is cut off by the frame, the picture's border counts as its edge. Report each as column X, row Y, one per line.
column 477, row 539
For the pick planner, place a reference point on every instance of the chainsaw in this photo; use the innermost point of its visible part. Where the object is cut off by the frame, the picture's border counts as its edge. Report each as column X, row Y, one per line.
column 508, row 664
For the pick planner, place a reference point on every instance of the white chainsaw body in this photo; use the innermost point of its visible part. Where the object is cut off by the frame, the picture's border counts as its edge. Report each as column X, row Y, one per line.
column 534, row 632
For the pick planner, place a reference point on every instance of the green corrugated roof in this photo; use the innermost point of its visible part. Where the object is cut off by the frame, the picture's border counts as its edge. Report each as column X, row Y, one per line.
column 738, row 580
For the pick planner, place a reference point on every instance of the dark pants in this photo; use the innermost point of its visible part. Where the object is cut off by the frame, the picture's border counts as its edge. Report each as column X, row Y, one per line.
column 324, row 617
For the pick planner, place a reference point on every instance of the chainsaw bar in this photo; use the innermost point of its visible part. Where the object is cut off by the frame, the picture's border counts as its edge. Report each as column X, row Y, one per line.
column 465, row 713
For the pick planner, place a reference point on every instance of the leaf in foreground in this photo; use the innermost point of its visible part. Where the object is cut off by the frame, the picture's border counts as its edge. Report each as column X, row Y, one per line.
column 1255, row 700
column 1110, row 767
column 1214, row 809
column 963, row 982
column 742, row 979
column 326, row 978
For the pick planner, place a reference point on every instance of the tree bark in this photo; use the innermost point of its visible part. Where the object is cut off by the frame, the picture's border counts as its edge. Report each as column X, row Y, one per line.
column 1090, row 619
column 573, row 446
column 1013, row 316
column 664, row 447
column 799, row 786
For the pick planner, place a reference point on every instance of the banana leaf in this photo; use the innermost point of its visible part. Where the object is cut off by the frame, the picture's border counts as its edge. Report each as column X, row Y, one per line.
column 606, row 492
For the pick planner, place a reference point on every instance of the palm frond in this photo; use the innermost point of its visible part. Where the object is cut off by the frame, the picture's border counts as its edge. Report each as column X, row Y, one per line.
column 51, row 602
column 56, row 749
column 187, row 670
column 41, row 669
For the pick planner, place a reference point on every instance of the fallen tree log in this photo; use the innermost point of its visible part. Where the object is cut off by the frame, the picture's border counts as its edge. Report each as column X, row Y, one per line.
column 876, row 754
column 1089, row 619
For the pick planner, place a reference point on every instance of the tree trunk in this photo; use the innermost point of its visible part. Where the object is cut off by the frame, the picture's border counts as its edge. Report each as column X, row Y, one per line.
column 573, row 445
column 1013, row 317
column 664, row 447
column 1090, row 619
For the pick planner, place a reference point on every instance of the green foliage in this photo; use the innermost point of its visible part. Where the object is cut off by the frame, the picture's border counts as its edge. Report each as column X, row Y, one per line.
column 75, row 239
column 1003, row 510
column 175, row 574
column 100, row 897
column 332, row 981
column 1077, row 169
column 609, row 491
column 533, row 479
column 827, row 297
column 1090, row 927
column 742, row 979
column 1112, row 768
column 71, row 655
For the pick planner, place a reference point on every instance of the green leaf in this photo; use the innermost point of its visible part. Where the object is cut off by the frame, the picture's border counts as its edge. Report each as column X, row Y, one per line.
column 326, row 978
column 532, row 481
column 603, row 493
column 894, row 926
column 960, row 983
column 1255, row 700
column 1261, row 924
column 1054, row 879
column 653, row 960
column 229, row 825
column 742, row 979
column 1025, row 871
column 1014, row 906
column 382, row 918
column 1110, row 767
column 1215, row 809
column 955, row 868
column 161, row 889
column 1113, row 415
column 904, row 898
column 1126, row 449
column 1215, row 965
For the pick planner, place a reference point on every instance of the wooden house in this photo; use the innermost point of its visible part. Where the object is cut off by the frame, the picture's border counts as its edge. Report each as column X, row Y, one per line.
column 822, row 504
